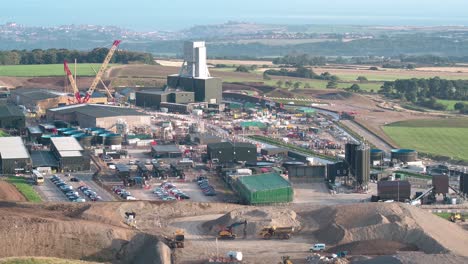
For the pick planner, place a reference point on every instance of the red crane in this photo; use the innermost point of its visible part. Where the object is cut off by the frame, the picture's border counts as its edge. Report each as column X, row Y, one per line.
column 76, row 92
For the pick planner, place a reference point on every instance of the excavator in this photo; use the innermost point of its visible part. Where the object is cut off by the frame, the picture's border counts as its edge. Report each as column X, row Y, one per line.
column 228, row 233
column 83, row 100
column 285, row 260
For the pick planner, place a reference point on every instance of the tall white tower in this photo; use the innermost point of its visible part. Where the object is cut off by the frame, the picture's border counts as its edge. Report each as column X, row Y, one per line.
column 194, row 60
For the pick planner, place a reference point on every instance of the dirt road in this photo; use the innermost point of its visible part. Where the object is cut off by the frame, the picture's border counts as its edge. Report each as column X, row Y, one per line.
column 367, row 135
column 8, row 192
column 199, row 246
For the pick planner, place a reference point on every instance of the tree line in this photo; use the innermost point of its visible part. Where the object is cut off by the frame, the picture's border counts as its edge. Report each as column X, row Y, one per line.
column 56, row 56
column 301, row 72
column 424, row 92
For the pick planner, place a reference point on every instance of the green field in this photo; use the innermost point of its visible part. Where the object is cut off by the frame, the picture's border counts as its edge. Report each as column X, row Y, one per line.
column 25, row 188
column 449, row 103
column 3, row 134
column 444, row 137
column 44, row 70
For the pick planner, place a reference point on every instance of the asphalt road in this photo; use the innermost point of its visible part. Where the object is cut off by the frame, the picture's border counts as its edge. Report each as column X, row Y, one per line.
column 49, row 192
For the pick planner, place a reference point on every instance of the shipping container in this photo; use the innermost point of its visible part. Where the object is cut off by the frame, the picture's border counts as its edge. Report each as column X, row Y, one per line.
column 265, row 188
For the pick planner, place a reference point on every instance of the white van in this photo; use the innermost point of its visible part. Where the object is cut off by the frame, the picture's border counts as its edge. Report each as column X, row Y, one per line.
column 317, row 247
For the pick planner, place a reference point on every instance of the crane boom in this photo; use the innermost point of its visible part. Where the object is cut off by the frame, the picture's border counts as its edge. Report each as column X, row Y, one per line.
column 109, row 94
column 101, row 70
column 76, row 92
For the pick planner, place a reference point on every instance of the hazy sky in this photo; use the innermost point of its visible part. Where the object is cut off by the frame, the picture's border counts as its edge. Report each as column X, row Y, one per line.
column 177, row 14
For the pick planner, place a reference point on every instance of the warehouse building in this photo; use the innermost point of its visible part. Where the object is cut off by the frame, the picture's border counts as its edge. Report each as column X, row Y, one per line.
column 95, row 115
column 166, row 151
column 154, row 98
column 302, row 174
column 14, row 157
column 11, row 116
column 225, row 152
column 268, row 188
column 39, row 100
column 70, row 154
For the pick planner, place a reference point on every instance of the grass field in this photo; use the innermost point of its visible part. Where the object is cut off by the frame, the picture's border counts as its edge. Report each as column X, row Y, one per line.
column 444, row 137
column 45, row 70
column 449, row 103
column 25, row 188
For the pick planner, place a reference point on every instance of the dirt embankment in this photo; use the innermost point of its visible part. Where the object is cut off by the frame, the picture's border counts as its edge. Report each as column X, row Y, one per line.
column 8, row 192
column 74, row 231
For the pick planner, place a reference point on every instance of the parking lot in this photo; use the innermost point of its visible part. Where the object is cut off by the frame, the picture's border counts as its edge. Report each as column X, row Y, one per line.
column 52, row 193
column 191, row 189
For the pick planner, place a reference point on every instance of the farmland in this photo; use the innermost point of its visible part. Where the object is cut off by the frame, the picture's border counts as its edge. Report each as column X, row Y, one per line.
column 46, row 70
column 448, row 103
column 446, row 137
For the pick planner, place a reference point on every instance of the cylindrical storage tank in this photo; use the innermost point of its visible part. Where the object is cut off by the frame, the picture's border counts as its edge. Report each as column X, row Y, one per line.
column 362, row 165
column 376, row 155
column 113, row 139
column 85, row 140
column 70, row 132
column 100, row 138
column 404, row 155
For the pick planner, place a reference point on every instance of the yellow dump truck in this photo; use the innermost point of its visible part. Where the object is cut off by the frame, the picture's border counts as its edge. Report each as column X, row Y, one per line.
column 269, row 232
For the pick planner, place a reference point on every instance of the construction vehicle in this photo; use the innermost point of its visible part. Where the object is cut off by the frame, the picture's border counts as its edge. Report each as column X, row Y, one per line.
column 83, row 100
column 286, row 260
column 178, row 241
column 227, row 232
column 274, row 231
column 454, row 217
column 130, row 219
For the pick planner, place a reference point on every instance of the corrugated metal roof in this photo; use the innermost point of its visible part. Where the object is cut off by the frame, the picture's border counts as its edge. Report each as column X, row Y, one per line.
column 66, row 144
column 38, row 94
column 166, row 148
column 13, row 148
column 72, row 153
column 97, row 111
column 43, row 159
column 266, row 181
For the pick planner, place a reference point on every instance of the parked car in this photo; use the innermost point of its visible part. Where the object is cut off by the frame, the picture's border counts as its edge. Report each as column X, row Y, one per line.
column 75, row 179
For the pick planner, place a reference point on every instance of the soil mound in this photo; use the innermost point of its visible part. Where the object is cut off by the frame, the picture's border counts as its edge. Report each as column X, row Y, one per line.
column 373, row 247
column 8, row 192
column 400, row 223
column 256, row 218
column 335, row 96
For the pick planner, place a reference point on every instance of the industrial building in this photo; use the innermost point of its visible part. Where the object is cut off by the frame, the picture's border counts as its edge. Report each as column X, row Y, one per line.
column 39, row 100
column 301, row 174
column 268, row 188
column 14, row 156
column 166, row 151
column 95, row 115
column 194, row 75
column 70, row 154
column 154, row 98
column 224, row 152
column 394, row 190
column 205, row 139
column 11, row 116
column 338, row 169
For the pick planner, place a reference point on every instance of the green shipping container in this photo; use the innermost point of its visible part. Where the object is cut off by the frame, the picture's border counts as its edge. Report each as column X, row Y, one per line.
column 265, row 188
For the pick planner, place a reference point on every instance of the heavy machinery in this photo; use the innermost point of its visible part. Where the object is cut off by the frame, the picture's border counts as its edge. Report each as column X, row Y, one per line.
column 227, row 232
column 454, row 217
column 286, row 260
column 101, row 71
column 130, row 219
column 83, row 100
column 273, row 231
column 178, row 241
